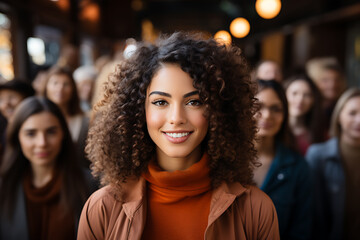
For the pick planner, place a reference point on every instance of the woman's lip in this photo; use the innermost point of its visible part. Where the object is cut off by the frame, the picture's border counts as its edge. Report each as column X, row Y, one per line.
column 177, row 140
column 42, row 154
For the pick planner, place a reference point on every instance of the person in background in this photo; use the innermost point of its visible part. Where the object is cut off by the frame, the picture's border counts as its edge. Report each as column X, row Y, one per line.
column 330, row 79
column 69, row 57
column 11, row 94
column 268, row 70
column 40, row 79
column 85, row 77
column 305, row 111
column 61, row 89
column 284, row 174
column 42, row 187
column 167, row 144
column 335, row 166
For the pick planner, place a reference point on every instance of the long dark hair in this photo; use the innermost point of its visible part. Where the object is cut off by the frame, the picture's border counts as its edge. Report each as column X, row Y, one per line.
column 119, row 144
column 15, row 164
column 314, row 117
column 284, row 135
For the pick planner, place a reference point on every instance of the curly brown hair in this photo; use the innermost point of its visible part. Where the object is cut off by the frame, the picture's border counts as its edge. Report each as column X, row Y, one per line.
column 119, row 144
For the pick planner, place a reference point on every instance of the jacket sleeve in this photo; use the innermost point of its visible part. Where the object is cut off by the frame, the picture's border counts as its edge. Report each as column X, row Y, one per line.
column 268, row 227
column 92, row 219
column 321, row 209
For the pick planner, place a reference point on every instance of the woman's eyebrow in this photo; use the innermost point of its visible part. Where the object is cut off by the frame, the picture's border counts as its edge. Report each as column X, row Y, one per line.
column 169, row 95
column 191, row 93
column 160, row 93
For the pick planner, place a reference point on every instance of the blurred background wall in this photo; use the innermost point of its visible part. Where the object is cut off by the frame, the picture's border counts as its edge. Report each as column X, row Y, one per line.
column 34, row 34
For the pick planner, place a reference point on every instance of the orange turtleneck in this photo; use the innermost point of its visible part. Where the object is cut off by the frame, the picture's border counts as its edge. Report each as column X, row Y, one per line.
column 178, row 202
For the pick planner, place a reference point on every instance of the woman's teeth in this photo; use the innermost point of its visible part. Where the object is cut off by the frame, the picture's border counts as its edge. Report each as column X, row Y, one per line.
column 177, row 135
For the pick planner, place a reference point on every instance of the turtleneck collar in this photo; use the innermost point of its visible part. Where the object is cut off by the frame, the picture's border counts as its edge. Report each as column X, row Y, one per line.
column 174, row 186
column 48, row 192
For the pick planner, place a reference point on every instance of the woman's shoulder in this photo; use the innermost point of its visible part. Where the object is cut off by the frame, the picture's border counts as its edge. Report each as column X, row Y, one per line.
column 325, row 150
column 259, row 198
column 103, row 197
column 259, row 209
column 253, row 196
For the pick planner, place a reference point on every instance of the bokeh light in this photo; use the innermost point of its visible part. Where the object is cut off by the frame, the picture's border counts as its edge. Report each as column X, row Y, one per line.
column 268, row 8
column 240, row 27
column 223, row 37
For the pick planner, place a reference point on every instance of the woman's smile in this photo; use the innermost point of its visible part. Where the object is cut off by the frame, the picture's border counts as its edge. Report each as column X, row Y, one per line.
column 177, row 137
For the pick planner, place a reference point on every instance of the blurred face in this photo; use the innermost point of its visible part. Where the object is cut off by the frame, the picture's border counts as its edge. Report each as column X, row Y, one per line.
column 175, row 114
column 59, row 89
column 9, row 99
column 40, row 139
column 300, row 98
column 271, row 114
column 331, row 85
column 269, row 71
column 84, row 88
column 349, row 120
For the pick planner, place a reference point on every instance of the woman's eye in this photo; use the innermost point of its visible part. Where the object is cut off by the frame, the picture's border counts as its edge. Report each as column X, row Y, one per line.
column 30, row 133
column 195, row 102
column 159, row 103
column 52, row 131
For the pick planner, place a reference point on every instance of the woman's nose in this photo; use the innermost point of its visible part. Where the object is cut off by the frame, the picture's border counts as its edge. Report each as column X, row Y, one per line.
column 177, row 114
column 41, row 140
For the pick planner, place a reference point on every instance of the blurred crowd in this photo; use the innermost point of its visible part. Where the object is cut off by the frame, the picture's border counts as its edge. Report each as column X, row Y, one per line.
column 308, row 144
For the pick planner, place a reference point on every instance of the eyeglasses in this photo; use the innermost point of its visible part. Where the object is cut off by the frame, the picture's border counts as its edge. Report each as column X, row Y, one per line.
column 273, row 109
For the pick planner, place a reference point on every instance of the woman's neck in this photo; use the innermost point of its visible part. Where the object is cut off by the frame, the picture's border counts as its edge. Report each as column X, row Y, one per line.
column 41, row 175
column 265, row 146
column 171, row 164
column 297, row 123
column 64, row 110
column 350, row 142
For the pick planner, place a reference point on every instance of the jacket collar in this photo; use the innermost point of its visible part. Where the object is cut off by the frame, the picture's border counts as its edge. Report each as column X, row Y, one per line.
column 134, row 191
column 332, row 149
column 222, row 198
column 131, row 194
column 283, row 157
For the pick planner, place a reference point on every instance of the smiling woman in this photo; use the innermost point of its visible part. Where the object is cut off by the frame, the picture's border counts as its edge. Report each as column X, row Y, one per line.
column 175, row 118
column 284, row 174
column 42, row 186
column 335, row 165
column 173, row 143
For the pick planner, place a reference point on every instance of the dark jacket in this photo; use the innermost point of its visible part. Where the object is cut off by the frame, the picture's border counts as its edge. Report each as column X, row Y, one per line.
column 288, row 183
column 329, row 188
column 17, row 227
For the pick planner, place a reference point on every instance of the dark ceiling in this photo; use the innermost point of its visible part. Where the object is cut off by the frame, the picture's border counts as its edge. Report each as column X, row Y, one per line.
column 119, row 19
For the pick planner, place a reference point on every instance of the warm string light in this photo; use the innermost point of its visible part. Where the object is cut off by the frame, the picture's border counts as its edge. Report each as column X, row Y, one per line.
column 223, row 37
column 268, row 8
column 240, row 27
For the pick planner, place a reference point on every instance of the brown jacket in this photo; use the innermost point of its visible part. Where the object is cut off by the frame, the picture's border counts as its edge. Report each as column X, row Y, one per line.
column 236, row 212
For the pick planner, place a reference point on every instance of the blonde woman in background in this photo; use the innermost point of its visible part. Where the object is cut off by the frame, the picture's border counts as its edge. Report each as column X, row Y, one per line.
column 335, row 166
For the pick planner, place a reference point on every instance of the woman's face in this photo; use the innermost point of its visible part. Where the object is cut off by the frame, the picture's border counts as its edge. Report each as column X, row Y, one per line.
column 300, row 98
column 40, row 138
column 269, row 71
column 271, row 115
column 59, row 89
column 9, row 99
column 331, row 84
column 349, row 120
column 174, row 113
